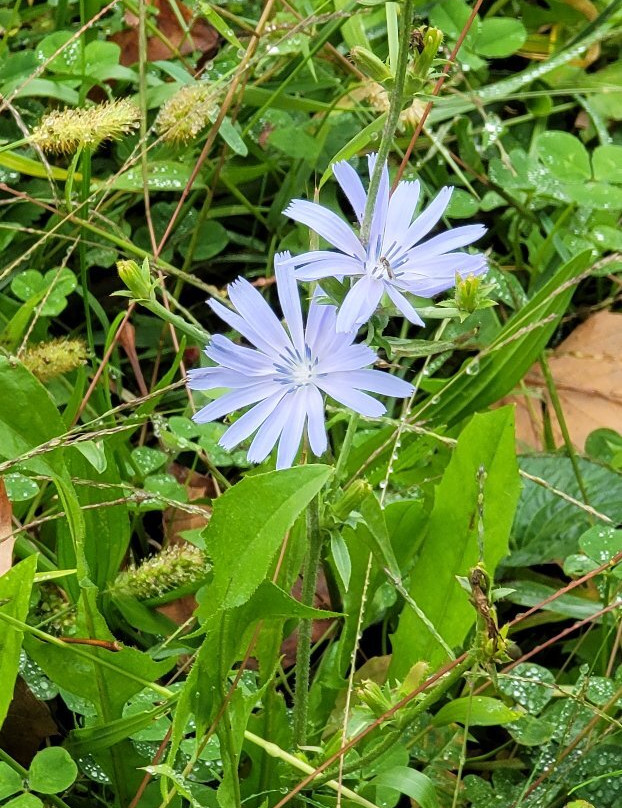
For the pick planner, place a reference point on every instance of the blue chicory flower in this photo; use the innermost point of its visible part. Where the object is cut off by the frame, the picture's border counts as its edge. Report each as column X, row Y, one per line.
column 394, row 261
column 288, row 373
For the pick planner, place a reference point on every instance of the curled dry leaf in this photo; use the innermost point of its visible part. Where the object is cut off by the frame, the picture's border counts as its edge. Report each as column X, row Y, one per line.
column 588, row 376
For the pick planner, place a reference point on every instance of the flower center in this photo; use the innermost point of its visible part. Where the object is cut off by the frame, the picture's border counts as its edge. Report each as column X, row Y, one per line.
column 296, row 369
column 381, row 270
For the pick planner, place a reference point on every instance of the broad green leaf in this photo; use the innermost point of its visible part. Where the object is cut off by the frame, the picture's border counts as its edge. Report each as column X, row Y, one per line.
column 601, row 543
column 162, row 175
column 52, row 770
column 20, row 488
column 529, row 685
column 548, row 527
column 24, row 801
column 475, row 711
column 414, row 784
column 10, row 781
column 506, row 360
column 15, row 586
column 532, row 593
column 500, row 36
column 564, row 155
column 607, row 163
column 248, row 525
column 450, row 547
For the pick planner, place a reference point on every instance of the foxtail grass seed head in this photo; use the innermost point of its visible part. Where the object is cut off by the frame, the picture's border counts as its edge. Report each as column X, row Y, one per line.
column 176, row 566
column 65, row 131
column 182, row 118
column 54, row 358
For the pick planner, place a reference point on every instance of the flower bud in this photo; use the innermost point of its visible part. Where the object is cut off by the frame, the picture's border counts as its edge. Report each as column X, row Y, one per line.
column 471, row 294
column 370, row 64
column 351, row 499
column 428, row 41
column 137, row 279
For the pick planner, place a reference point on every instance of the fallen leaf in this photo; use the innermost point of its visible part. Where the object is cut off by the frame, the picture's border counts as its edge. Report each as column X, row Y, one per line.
column 28, row 722
column 588, row 376
column 200, row 36
column 7, row 538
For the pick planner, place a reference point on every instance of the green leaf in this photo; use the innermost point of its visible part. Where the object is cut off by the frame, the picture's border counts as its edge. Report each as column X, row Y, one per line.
column 52, row 771
column 450, row 547
column 20, row 488
column 248, row 525
column 24, row 801
column 162, row 175
column 10, row 781
column 529, row 685
column 601, row 543
column 414, row 784
column 377, row 535
column 148, row 460
column 500, row 36
column 548, row 527
column 15, row 586
column 341, row 558
column 607, row 163
column 564, row 155
column 475, row 711
column 510, row 355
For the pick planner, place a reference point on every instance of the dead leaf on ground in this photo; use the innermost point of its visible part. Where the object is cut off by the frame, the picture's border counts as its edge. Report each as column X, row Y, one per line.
column 28, row 722
column 7, row 538
column 587, row 371
column 201, row 36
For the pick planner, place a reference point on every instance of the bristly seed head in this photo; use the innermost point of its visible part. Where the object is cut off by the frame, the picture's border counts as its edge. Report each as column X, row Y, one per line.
column 65, row 131
column 54, row 358
column 182, row 118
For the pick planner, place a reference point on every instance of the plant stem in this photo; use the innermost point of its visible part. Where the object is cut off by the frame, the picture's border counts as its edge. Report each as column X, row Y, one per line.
column 85, row 167
column 303, row 652
column 393, row 116
column 559, row 412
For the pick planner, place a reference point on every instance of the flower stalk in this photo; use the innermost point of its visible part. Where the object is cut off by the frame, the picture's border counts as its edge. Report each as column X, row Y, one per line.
column 393, row 116
column 303, row 651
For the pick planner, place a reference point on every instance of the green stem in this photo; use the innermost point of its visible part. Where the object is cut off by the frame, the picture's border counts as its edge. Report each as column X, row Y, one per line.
column 303, row 653
column 559, row 412
column 85, row 166
column 393, row 116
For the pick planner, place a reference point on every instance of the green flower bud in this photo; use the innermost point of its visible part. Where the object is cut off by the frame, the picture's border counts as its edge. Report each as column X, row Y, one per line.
column 137, row 279
column 351, row 499
column 370, row 64
column 428, row 41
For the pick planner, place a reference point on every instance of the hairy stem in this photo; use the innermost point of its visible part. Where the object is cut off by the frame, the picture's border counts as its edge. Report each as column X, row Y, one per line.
column 303, row 652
